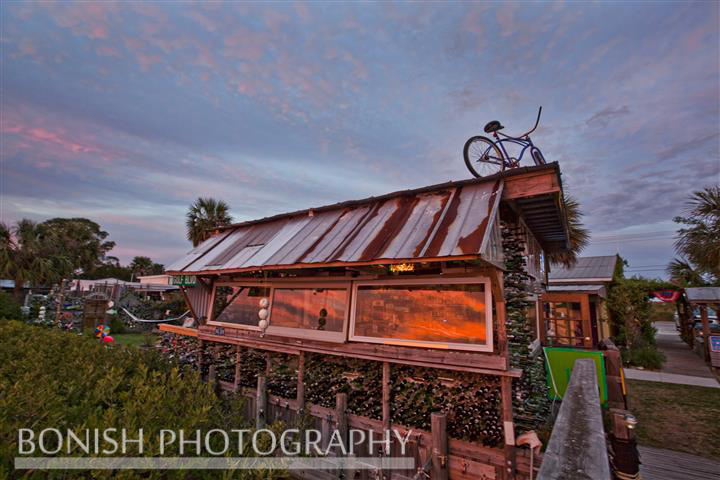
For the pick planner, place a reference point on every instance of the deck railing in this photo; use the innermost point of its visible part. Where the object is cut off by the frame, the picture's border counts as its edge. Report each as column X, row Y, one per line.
column 577, row 447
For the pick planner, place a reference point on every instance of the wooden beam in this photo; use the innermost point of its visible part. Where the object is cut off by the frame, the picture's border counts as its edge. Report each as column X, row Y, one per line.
column 301, row 382
column 341, row 417
column 386, row 397
column 238, row 360
column 508, row 426
column 261, row 403
column 187, row 332
column 438, row 423
column 540, row 183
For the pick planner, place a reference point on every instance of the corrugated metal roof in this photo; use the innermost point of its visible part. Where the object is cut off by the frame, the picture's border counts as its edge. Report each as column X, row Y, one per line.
column 703, row 294
column 447, row 221
column 586, row 268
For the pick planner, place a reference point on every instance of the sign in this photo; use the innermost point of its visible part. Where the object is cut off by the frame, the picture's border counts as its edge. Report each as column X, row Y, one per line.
column 184, row 280
column 715, row 350
column 402, row 267
column 559, row 362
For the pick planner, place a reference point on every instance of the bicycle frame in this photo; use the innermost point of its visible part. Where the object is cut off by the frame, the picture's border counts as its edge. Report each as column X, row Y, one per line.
column 524, row 142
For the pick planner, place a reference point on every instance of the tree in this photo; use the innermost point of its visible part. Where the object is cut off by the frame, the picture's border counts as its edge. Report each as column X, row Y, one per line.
column 145, row 266
column 81, row 240
column 698, row 241
column 578, row 234
column 29, row 253
column 203, row 216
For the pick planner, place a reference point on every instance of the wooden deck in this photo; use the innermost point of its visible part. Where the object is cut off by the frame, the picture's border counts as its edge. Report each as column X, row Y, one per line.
column 659, row 464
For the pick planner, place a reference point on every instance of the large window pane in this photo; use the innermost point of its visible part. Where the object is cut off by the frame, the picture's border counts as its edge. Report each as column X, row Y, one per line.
column 309, row 308
column 453, row 313
column 243, row 304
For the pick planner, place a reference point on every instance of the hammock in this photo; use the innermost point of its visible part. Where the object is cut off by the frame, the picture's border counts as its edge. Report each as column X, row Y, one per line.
column 166, row 320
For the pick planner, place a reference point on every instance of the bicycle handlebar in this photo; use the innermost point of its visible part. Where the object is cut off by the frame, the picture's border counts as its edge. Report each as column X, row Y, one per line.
column 537, row 122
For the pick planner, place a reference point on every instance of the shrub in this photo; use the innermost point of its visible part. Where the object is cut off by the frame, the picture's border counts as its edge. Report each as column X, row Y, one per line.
column 51, row 379
column 646, row 356
column 9, row 308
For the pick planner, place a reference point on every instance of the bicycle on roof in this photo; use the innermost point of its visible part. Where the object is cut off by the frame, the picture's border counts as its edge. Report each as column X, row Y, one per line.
column 484, row 157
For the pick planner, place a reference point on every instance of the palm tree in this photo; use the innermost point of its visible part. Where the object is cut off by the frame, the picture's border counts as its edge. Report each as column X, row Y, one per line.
column 28, row 254
column 699, row 240
column 203, row 216
column 578, row 234
column 685, row 275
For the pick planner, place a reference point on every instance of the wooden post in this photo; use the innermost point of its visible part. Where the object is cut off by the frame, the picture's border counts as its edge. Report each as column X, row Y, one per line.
column 238, row 359
column 508, row 426
column 386, row 400
column 341, row 417
column 201, row 349
column 613, row 365
column 706, row 331
column 261, row 403
column 301, row 383
column 439, row 452
column 61, row 300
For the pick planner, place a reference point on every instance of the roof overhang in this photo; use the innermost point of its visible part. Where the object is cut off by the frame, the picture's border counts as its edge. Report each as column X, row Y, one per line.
column 536, row 194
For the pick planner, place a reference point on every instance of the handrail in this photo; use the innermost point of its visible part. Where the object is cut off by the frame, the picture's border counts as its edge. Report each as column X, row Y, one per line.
column 577, row 447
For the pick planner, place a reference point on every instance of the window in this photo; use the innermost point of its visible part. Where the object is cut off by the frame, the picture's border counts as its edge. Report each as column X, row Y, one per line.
column 316, row 312
column 564, row 323
column 440, row 313
column 239, row 304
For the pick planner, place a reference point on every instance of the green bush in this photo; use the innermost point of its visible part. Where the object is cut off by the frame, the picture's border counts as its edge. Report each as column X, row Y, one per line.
column 9, row 308
column 52, row 379
column 646, row 356
column 117, row 325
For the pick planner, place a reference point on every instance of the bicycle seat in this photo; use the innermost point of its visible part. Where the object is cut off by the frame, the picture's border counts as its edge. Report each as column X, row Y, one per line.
column 493, row 126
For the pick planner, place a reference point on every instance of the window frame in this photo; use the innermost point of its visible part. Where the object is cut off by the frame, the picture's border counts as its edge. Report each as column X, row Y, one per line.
column 486, row 347
column 211, row 317
column 288, row 332
column 306, row 333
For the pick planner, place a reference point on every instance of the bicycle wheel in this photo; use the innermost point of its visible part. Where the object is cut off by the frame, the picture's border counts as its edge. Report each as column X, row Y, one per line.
column 537, row 156
column 483, row 157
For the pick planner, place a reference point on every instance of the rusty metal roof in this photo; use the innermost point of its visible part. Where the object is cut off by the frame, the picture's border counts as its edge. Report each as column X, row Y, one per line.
column 448, row 220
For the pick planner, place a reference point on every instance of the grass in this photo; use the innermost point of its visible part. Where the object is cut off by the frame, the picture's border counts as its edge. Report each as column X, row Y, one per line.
column 133, row 339
column 676, row 417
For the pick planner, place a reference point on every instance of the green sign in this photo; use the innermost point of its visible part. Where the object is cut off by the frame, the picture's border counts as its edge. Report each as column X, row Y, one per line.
column 184, row 280
column 559, row 363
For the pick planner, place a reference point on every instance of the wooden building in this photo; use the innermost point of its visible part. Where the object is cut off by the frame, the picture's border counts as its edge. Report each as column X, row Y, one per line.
column 706, row 301
column 575, row 311
column 415, row 278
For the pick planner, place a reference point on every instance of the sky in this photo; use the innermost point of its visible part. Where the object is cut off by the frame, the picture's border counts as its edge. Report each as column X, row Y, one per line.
column 125, row 113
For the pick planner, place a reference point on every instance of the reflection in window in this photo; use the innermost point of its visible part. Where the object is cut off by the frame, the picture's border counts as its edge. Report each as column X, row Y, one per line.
column 243, row 304
column 435, row 313
column 309, row 308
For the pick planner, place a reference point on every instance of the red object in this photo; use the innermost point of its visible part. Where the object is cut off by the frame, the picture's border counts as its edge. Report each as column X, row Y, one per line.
column 108, row 339
column 667, row 295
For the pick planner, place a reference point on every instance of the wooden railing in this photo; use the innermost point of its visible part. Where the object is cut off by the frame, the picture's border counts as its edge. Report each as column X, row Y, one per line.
column 577, row 447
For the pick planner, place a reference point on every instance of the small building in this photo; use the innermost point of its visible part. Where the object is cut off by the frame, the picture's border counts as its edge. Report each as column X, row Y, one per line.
column 575, row 308
column 415, row 278
column 162, row 279
column 706, row 302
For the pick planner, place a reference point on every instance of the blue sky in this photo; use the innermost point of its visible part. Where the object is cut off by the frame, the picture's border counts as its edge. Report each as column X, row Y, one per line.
column 126, row 112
